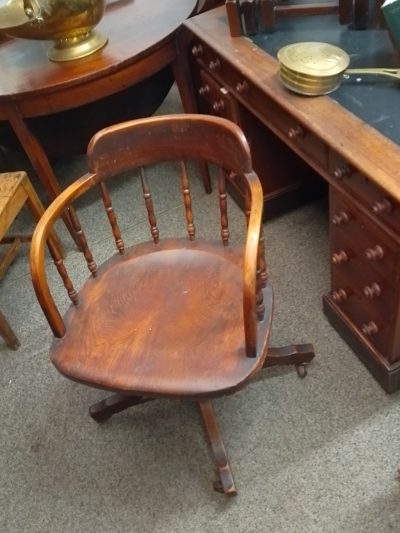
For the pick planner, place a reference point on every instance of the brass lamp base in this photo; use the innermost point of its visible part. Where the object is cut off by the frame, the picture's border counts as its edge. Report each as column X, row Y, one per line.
column 70, row 48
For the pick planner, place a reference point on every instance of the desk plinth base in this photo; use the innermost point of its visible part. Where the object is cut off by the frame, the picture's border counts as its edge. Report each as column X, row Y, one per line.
column 387, row 374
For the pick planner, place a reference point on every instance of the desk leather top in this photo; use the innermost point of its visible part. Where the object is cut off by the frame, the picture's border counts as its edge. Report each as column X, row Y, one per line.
column 374, row 99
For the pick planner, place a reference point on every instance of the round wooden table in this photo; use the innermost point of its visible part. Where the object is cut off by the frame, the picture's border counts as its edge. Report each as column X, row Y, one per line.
column 142, row 41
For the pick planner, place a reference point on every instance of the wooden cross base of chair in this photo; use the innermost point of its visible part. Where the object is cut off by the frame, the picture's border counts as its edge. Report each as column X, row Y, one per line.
column 15, row 191
column 299, row 355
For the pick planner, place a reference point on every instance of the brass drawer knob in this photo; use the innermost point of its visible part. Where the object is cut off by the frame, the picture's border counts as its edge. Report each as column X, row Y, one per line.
column 375, row 254
column 384, row 206
column 339, row 257
column 372, row 291
column 242, row 87
column 197, row 50
column 339, row 296
column 296, row 132
column 204, row 90
column 218, row 106
column 215, row 65
column 370, row 328
column 340, row 218
column 342, row 172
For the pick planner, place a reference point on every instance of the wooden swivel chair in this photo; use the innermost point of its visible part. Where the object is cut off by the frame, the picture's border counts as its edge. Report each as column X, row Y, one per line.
column 179, row 318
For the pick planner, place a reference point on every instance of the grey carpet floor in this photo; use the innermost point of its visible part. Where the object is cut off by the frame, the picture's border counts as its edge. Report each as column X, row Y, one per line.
column 314, row 455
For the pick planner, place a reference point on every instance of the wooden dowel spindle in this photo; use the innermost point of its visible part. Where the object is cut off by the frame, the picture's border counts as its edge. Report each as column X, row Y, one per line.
column 149, row 206
column 223, row 206
column 187, row 201
column 83, row 243
column 112, row 218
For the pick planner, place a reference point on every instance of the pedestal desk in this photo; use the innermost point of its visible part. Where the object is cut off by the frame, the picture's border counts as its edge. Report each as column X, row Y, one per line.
column 349, row 138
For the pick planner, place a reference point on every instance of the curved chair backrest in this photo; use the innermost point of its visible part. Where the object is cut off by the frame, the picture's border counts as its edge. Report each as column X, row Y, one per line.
column 137, row 144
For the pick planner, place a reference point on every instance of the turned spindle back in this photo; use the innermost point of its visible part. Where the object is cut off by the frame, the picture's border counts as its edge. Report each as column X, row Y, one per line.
column 140, row 145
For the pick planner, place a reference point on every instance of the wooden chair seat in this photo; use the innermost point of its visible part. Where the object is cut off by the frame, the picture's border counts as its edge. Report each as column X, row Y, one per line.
column 184, row 318
column 132, row 300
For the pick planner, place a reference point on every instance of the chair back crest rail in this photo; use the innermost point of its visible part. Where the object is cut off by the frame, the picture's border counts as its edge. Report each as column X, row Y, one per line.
column 136, row 145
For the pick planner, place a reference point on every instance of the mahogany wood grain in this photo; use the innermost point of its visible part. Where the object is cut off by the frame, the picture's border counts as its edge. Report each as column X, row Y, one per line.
column 359, row 164
column 169, row 317
column 354, row 140
column 33, row 86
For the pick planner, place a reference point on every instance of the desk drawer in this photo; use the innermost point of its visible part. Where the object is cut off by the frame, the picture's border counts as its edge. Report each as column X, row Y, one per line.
column 294, row 134
column 365, row 264
column 382, row 208
column 219, row 102
column 353, row 230
column 372, row 326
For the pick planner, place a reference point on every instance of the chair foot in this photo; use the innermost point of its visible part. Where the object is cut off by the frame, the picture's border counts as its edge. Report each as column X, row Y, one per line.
column 298, row 354
column 225, row 482
column 103, row 410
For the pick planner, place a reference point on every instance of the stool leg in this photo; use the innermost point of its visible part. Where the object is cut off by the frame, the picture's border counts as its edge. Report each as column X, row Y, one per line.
column 37, row 210
column 7, row 333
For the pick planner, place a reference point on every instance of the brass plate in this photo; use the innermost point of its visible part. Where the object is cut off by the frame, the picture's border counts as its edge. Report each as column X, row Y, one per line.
column 314, row 58
column 308, row 90
column 308, row 85
column 304, row 79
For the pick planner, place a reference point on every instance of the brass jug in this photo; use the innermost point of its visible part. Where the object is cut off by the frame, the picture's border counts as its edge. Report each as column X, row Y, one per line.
column 68, row 23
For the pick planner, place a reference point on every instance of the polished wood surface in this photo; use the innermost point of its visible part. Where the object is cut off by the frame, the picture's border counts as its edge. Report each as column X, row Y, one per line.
column 40, row 86
column 175, row 317
column 235, row 78
column 33, row 86
column 357, row 142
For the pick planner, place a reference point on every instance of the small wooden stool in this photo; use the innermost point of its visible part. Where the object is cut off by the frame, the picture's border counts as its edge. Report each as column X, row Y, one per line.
column 15, row 191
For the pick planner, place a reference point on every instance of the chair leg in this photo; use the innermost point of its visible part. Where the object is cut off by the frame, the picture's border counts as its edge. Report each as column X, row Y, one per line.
column 103, row 410
column 7, row 333
column 225, row 482
column 298, row 354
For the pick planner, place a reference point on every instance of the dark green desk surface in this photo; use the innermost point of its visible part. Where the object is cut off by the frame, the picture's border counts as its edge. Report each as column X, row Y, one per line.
column 374, row 99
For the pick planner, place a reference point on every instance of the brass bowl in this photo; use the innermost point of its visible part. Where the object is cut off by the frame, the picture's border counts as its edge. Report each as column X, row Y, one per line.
column 68, row 23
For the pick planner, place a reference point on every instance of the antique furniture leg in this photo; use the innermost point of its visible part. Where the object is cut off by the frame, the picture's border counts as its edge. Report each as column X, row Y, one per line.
column 7, row 333
column 38, row 159
column 103, row 410
column 225, row 482
column 37, row 210
column 297, row 354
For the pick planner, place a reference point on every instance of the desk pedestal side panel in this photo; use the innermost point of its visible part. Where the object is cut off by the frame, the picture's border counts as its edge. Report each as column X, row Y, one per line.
column 363, row 303
column 364, row 298
column 287, row 180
